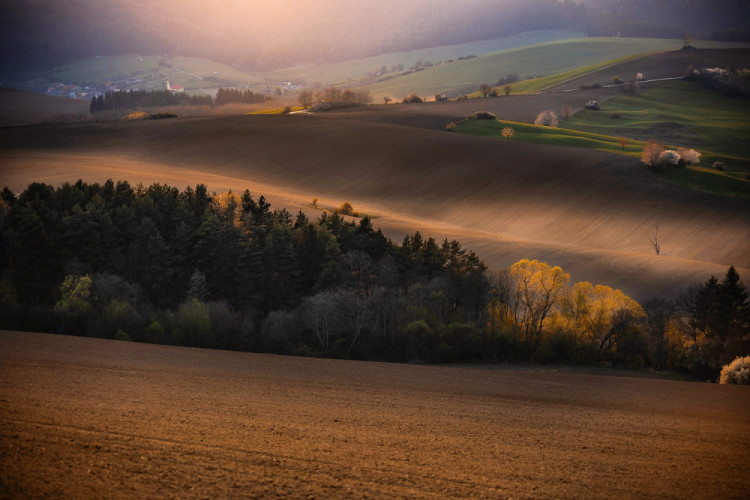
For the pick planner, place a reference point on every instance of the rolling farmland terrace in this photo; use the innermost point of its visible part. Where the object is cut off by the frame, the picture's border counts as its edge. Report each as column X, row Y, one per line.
column 589, row 211
column 92, row 418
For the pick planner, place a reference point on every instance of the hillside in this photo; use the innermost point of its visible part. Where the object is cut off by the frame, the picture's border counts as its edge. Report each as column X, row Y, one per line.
column 589, row 211
column 18, row 107
column 463, row 77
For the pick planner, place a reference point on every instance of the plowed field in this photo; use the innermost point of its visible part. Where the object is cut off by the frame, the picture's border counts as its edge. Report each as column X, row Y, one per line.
column 90, row 418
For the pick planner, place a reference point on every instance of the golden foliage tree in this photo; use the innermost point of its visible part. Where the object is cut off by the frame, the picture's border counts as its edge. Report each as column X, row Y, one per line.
column 538, row 287
column 508, row 132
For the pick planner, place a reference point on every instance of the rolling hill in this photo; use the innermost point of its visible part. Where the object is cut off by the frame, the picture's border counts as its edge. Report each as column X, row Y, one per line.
column 18, row 107
column 589, row 211
column 464, row 77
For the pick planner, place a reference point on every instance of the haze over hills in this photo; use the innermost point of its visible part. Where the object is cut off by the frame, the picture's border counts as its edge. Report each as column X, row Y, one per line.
column 266, row 35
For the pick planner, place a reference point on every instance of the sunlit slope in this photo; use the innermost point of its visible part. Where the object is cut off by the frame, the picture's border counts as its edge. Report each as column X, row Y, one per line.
column 462, row 77
column 525, row 108
column 358, row 68
column 584, row 206
column 18, row 107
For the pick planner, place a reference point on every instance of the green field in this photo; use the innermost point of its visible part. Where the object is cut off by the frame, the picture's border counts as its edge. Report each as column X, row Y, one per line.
column 715, row 125
column 553, row 58
column 354, row 70
column 533, row 85
column 678, row 113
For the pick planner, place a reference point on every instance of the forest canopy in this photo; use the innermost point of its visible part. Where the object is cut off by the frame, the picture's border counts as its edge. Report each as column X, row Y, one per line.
column 156, row 264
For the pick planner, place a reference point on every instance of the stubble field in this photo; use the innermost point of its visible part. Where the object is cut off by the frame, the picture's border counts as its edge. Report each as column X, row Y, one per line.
column 97, row 418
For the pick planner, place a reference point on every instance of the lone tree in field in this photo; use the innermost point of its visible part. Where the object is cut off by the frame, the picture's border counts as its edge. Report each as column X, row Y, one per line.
column 567, row 112
column 386, row 100
column 508, row 132
column 623, row 142
column 508, row 89
column 485, row 89
column 655, row 240
column 305, row 98
column 546, row 118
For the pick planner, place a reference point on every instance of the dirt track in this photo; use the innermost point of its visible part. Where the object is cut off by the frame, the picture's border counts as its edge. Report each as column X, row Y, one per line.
column 95, row 418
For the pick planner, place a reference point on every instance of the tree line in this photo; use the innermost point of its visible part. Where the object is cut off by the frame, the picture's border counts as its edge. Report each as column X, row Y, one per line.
column 156, row 264
column 133, row 99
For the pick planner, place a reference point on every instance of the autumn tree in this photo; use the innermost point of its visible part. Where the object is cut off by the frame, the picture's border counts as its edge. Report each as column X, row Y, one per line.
column 651, row 151
column 567, row 112
column 485, row 89
column 538, row 287
column 507, row 89
column 508, row 133
column 623, row 142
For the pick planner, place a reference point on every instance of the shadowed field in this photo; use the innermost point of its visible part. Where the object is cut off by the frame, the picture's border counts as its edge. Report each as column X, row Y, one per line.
column 90, row 418
column 506, row 197
column 18, row 107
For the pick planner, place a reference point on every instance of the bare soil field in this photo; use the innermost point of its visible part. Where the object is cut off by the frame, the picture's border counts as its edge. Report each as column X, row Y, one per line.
column 589, row 211
column 99, row 418
column 18, row 107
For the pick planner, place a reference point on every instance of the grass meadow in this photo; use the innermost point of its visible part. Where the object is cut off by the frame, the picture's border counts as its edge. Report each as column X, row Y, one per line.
column 713, row 124
column 552, row 58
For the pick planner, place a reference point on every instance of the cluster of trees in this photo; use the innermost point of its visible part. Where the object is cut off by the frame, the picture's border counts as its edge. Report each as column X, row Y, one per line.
column 144, row 99
column 156, row 264
column 656, row 155
column 731, row 81
column 226, row 96
column 334, row 97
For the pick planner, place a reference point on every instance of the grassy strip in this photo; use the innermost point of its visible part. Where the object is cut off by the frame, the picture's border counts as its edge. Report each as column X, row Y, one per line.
column 275, row 111
column 695, row 177
column 540, row 84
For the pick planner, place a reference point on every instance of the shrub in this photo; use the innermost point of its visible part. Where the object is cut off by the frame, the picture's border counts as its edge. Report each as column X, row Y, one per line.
column 592, row 105
column 617, row 80
column 483, row 115
column 413, row 98
column 546, row 118
column 719, row 165
column 346, row 208
column 737, row 372
column 651, row 152
column 136, row 115
column 451, row 127
column 615, row 116
column 286, row 110
column 689, row 155
column 669, row 158
column 508, row 132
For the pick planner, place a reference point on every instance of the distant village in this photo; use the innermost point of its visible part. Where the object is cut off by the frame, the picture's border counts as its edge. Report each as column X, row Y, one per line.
column 60, row 89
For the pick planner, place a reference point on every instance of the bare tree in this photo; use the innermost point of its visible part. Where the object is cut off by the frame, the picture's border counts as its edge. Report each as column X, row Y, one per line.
column 485, row 89
column 508, row 89
column 305, row 98
column 655, row 240
column 386, row 100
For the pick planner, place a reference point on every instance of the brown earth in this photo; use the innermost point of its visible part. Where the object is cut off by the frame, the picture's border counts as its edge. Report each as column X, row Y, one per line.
column 91, row 418
column 589, row 211
column 18, row 107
